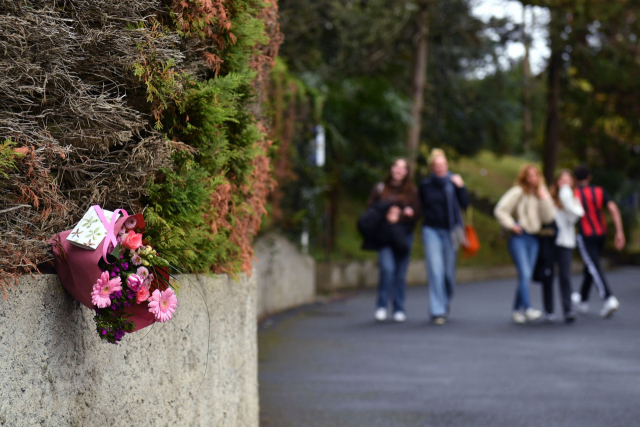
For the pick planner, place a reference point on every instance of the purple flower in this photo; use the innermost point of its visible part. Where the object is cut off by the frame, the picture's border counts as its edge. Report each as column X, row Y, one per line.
column 121, row 256
column 125, row 265
column 104, row 332
column 130, row 223
column 112, row 274
column 118, row 294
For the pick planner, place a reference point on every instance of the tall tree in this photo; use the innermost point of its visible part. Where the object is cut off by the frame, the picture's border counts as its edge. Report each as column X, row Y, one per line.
column 555, row 68
column 418, row 83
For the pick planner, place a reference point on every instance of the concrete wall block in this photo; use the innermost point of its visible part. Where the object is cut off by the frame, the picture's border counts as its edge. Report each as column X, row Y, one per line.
column 286, row 277
column 55, row 371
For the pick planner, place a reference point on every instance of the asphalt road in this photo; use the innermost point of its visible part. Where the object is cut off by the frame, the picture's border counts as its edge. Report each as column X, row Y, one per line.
column 332, row 365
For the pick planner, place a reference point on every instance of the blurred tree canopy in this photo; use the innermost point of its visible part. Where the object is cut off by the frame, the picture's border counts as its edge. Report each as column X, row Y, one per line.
column 360, row 56
column 596, row 56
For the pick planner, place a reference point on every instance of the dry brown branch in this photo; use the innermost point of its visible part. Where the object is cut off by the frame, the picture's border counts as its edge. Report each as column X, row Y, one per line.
column 71, row 102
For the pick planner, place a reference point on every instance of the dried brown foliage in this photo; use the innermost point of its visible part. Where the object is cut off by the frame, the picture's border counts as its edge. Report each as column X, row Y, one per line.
column 65, row 91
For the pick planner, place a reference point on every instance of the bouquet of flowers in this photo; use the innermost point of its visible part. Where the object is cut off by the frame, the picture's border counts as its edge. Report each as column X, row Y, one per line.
column 124, row 279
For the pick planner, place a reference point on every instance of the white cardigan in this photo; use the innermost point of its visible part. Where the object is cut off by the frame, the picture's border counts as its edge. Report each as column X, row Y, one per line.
column 567, row 216
column 526, row 210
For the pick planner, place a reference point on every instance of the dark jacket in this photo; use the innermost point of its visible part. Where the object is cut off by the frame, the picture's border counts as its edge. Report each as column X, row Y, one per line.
column 373, row 225
column 378, row 233
column 434, row 203
column 382, row 192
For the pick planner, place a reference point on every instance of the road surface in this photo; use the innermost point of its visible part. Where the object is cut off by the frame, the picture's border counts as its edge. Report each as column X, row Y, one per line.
column 331, row 365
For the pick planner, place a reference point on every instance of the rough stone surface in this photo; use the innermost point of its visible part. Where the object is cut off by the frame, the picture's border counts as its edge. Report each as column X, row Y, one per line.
column 55, row 371
column 286, row 277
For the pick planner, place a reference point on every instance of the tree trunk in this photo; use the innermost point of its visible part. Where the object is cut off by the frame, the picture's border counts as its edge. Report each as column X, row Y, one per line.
column 552, row 132
column 527, row 126
column 418, row 84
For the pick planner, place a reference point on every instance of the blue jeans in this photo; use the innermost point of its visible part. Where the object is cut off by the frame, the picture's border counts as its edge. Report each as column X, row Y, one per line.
column 441, row 268
column 393, row 275
column 524, row 252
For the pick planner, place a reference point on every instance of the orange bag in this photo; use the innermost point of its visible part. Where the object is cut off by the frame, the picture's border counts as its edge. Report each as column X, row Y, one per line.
column 473, row 243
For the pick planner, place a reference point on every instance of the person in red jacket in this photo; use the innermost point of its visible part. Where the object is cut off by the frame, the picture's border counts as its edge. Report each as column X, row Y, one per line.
column 592, row 234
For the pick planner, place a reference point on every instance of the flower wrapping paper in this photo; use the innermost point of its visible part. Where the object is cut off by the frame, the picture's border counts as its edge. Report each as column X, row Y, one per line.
column 78, row 271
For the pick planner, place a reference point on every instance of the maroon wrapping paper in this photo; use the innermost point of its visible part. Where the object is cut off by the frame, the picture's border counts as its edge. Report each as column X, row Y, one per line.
column 78, row 271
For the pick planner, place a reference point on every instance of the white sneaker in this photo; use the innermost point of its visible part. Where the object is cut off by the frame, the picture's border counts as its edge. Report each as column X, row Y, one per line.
column 610, row 305
column 532, row 314
column 578, row 305
column 381, row 314
column 399, row 316
column 576, row 298
column 518, row 318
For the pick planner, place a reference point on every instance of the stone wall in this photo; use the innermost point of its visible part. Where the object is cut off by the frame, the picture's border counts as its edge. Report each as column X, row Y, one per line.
column 286, row 277
column 332, row 277
column 55, row 371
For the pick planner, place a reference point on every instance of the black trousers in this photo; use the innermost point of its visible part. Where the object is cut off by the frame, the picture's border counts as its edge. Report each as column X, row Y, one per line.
column 562, row 257
column 590, row 249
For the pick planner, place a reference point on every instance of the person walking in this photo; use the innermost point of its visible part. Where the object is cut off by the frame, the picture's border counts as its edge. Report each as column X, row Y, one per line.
column 592, row 233
column 522, row 210
column 568, row 211
column 443, row 196
column 397, row 198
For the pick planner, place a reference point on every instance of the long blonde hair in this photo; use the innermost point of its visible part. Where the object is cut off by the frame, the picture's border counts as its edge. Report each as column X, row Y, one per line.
column 521, row 180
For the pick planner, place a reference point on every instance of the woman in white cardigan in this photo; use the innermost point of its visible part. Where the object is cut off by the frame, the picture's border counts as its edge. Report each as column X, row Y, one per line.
column 522, row 210
column 569, row 211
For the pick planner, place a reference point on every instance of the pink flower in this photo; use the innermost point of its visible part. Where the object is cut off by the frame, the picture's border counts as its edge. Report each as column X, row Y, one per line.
column 132, row 240
column 148, row 280
column 134, row 282
column 130, row 223
column 143, row 272
column 163, row 304
column 142, row 295
column 103, row 288
column 136, row 260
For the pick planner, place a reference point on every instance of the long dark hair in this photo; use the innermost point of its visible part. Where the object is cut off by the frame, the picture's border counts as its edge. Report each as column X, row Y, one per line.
column 407, row 188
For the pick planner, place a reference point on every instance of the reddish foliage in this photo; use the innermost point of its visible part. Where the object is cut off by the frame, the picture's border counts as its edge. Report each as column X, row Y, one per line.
column 263, row 61
column 283, row 130
column 41, row 212
column 209, row 20
column 244, row 219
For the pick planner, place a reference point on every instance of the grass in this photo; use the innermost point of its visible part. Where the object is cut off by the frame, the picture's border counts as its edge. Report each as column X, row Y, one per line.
column 487, row 174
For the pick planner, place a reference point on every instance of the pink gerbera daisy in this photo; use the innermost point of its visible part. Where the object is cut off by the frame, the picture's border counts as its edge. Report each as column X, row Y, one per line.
column 103, row 288
column 163, row 304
